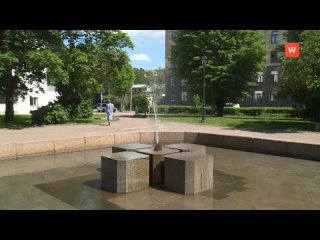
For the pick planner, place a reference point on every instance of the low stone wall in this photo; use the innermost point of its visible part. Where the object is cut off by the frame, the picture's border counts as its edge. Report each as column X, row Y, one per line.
column 265, row 146
column 258, row 145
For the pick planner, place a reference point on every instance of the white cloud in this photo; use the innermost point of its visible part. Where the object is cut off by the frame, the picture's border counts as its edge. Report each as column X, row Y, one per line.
column 150, row 34
column 140, row 57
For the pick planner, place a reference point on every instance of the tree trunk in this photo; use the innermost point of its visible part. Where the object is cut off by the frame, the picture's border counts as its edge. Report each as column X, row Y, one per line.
column 11, row 87
column 219, row 108
column 122, row 104
column 9, row 114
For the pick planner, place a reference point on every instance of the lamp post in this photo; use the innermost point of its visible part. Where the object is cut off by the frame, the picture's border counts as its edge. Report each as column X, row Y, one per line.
column 204, row 61
column 131, row 100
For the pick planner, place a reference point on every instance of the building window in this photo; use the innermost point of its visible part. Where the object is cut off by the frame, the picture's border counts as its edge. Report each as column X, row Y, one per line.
column 274, row 57
column 172, row 97
column 173, row 66
column 260, row 77
column 135, row 90
column 183, row 83
column 273, row 96
column 258, row 95
column 274, row 75
column 33, row 102
column 172, row 81
column 184, row 96
column 274, row 36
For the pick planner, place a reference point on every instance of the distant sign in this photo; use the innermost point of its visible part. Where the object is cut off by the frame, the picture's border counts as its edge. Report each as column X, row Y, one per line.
column 292, row 50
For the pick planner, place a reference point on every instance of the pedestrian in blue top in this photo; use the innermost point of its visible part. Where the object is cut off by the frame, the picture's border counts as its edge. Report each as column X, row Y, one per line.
column 110, row 108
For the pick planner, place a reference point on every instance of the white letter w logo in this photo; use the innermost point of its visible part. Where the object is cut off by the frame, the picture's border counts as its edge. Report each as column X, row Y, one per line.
column 292, row 49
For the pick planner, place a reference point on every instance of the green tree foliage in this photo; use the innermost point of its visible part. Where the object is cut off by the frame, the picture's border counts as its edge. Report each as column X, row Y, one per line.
column 122, row 82
column 234, row 58
column 141, row 77
column 141, row 102
column 92, row 60
column 53, row 113
column 149, row 77
column 300, row 77
column 27, row 54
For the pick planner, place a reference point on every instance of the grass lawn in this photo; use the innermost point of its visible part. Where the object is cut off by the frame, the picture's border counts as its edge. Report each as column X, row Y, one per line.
column 252, row 124
column 22, row 121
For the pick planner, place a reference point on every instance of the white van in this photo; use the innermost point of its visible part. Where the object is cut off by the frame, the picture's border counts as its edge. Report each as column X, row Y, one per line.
column 102, row 108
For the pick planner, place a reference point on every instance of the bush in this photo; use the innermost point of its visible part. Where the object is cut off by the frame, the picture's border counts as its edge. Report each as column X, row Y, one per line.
column 53, row 113
column 84, row 109
column 142, row 103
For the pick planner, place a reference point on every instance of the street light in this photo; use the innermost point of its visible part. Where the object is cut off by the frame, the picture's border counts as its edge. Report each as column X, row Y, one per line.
column 204, row 61
column 131, row 100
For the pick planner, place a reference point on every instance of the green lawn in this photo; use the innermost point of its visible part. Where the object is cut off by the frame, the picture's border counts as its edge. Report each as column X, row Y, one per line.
column 252, row 124
column 23, row 121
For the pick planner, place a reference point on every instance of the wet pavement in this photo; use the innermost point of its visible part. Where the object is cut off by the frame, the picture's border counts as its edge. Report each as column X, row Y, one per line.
column 242, row 180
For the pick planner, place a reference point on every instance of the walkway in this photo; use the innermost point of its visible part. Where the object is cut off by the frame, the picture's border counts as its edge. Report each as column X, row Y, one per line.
column 129, row 124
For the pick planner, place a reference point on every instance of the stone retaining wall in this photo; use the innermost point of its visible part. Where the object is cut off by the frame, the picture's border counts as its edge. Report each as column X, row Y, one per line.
column 265, row 146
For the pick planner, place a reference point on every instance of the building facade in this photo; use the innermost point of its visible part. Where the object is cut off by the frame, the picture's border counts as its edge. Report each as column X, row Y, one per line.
column 176, row 92
column 32, row 101
column 264, row 93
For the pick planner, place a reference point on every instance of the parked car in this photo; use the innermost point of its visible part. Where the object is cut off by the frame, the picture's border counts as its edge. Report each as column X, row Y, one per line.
column 101, row 108
column 236, row 105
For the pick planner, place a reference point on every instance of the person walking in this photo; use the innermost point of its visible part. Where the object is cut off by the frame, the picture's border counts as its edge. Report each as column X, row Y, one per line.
column 110, row 108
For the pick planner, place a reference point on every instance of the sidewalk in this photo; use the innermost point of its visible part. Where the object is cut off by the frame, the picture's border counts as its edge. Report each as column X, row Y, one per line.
column 130, row 124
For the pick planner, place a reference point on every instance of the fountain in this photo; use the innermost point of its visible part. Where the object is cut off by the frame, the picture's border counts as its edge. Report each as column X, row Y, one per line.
column 183, row 167
column 157, row 146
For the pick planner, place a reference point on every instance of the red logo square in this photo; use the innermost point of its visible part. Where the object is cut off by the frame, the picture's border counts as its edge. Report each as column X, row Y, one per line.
column 292, row 50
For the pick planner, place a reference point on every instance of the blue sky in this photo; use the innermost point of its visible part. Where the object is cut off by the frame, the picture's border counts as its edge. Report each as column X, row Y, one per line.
column 149, row 51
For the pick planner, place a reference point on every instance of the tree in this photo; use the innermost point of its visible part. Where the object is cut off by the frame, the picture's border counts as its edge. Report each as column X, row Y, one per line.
column 234, row 58
column 122, row 83
column 92, row 60
column 141, row 77
column 300, row 77
column 27, row 56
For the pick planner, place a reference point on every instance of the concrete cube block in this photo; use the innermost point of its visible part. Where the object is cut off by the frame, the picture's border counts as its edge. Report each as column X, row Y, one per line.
column 188, row 173
column 124, row 172
column 188, row 147
column 157, row 163
column 132, row 147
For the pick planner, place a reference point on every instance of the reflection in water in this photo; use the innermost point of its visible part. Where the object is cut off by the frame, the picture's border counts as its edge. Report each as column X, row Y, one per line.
column 225, row 184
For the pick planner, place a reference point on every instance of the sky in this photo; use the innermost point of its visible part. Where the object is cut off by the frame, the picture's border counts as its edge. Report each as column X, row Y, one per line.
column 149, row 50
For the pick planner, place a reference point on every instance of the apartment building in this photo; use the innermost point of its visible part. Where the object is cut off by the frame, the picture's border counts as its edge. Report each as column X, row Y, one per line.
column 263, row 95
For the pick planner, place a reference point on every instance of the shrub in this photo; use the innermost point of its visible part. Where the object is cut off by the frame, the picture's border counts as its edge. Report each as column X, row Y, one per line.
column 53, row 113
column 84, row 109
column 142, row 103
